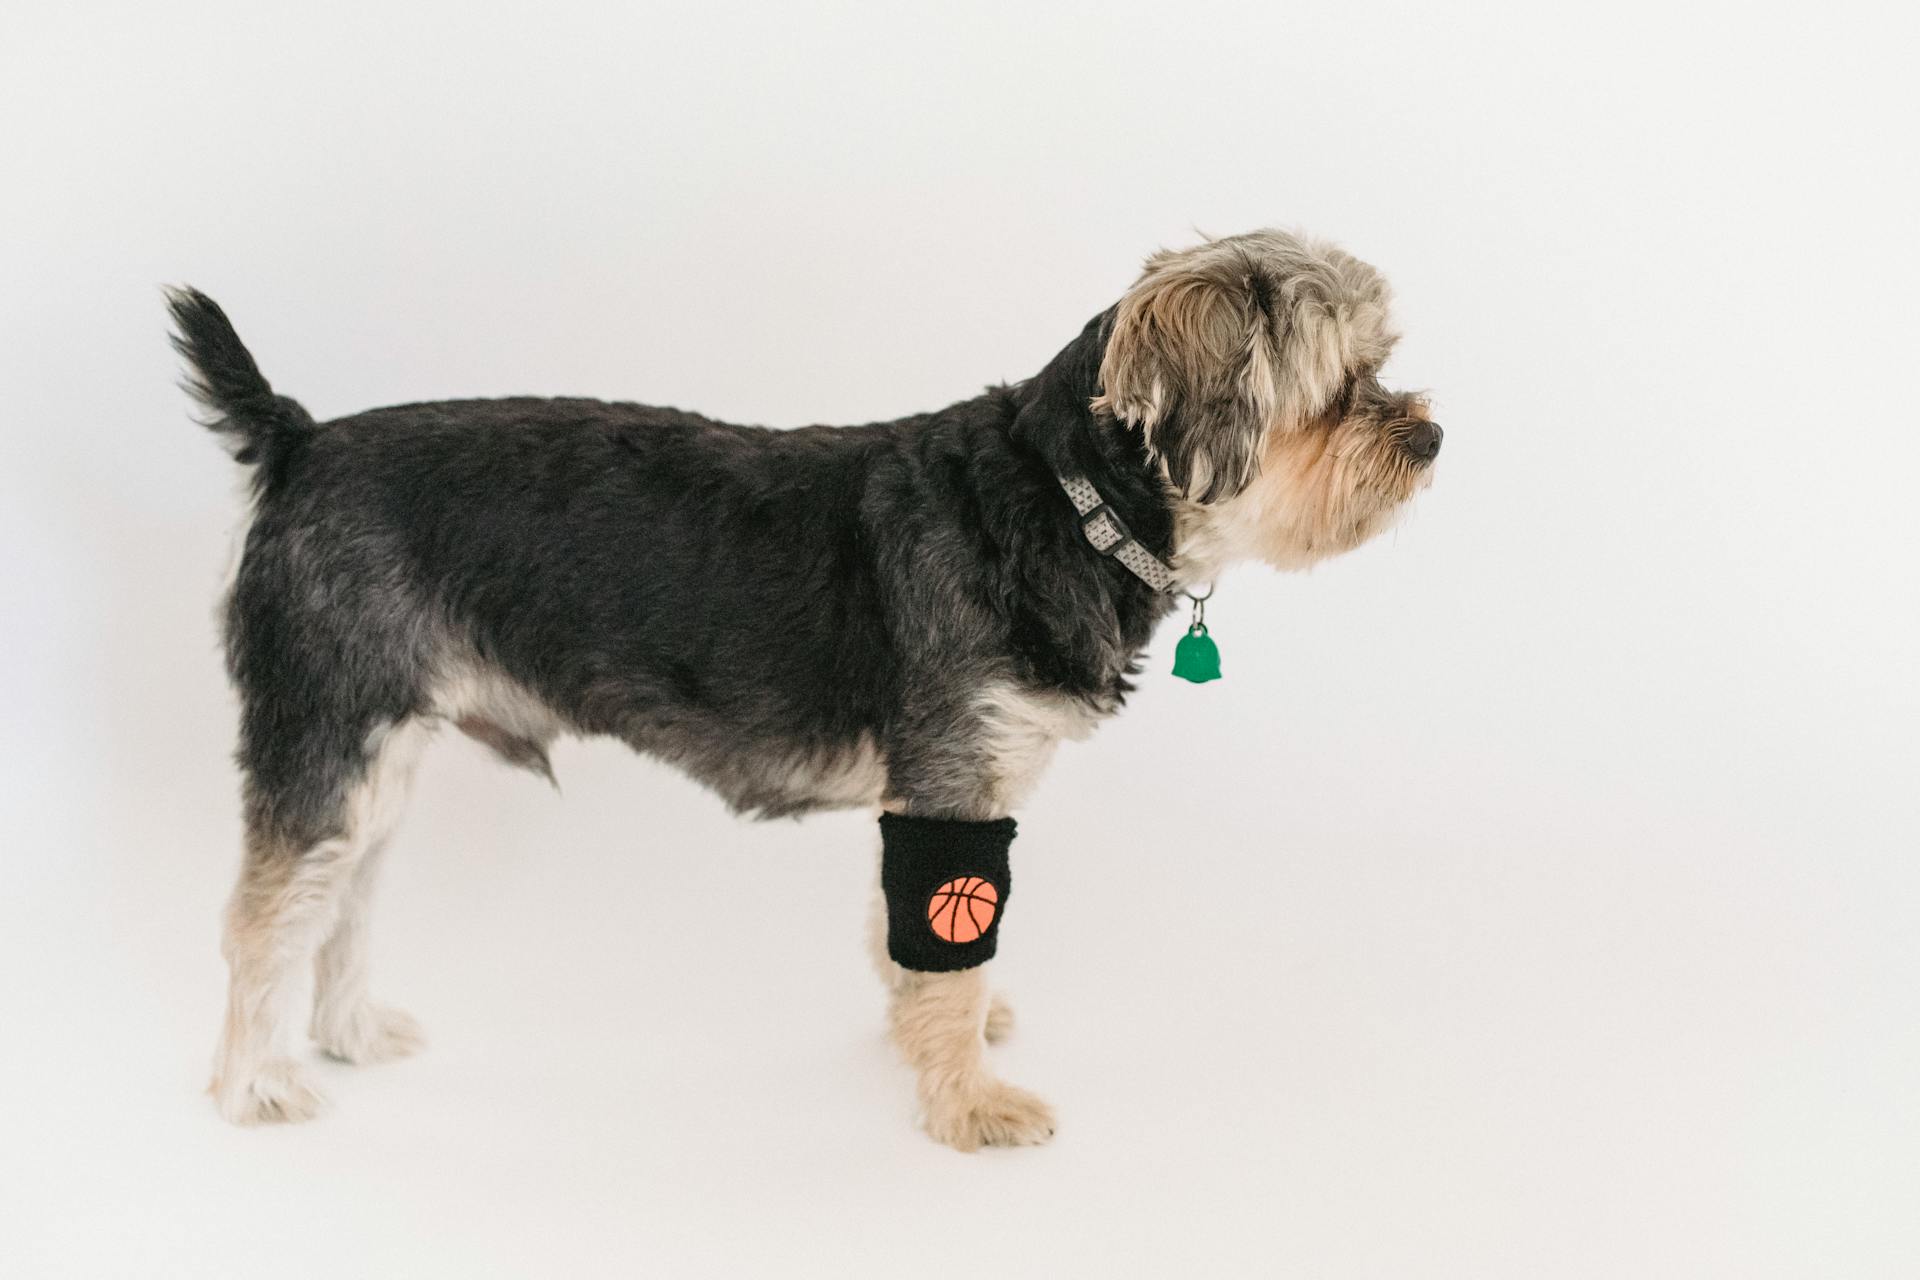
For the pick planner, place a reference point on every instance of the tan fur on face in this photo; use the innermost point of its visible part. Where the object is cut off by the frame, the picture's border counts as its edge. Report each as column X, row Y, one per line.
column 1320, row 491
column 1218, row 348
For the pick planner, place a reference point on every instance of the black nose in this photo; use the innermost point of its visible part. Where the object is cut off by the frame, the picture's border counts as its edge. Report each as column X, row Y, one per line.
column 1423, row 441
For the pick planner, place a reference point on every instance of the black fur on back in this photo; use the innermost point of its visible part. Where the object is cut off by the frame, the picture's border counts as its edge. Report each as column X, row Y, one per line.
column 728, row 598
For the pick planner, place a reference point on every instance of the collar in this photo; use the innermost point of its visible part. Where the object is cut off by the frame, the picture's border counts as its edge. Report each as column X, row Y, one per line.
column 1110, row 536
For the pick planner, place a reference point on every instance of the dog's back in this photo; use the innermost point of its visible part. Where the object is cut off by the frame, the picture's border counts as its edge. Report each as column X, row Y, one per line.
column 524, row 567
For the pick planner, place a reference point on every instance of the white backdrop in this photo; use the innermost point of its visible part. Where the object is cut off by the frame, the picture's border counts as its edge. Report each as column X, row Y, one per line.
column 1536, row 896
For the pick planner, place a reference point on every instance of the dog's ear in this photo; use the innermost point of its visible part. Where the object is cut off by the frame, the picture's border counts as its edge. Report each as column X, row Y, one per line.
column 1215, row 347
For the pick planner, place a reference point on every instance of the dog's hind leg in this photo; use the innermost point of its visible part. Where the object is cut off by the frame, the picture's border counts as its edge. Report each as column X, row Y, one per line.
column 347, row 1024
column 294, row 894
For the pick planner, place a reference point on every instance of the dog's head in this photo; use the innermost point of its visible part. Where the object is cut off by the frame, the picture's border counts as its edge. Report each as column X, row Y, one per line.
column 1250, row 367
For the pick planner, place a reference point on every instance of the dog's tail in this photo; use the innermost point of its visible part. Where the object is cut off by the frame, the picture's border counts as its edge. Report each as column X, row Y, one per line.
column 254, row 423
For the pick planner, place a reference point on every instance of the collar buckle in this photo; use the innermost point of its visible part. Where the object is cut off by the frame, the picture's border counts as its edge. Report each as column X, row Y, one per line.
column 1105, row 529
column 1108, row 534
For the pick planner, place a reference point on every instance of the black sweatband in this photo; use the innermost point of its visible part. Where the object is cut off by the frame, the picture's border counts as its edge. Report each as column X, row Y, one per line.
column 946, row 884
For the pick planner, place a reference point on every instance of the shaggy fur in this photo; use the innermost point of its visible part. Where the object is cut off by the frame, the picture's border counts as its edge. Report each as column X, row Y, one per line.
column 903, row 614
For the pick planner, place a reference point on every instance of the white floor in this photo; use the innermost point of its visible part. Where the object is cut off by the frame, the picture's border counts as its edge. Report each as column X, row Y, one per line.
column 1303, row 1032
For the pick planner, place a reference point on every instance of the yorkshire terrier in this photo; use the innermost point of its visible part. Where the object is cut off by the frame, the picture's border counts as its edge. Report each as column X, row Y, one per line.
column 905, row 616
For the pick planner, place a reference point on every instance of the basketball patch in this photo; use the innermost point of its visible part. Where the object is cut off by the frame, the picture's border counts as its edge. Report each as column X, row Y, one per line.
column 963, row 909
column 947, row 886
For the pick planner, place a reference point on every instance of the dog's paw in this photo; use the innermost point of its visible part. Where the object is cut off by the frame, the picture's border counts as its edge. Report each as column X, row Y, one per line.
column 999, row 1019
column 989, row 1113
column 275, row 1093
column 369, row 1033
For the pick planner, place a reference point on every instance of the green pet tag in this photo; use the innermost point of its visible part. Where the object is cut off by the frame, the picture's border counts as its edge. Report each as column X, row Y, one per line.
column 1197, row 657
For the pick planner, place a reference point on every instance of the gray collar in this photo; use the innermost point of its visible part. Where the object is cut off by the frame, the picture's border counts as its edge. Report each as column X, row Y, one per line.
column 1110, row 535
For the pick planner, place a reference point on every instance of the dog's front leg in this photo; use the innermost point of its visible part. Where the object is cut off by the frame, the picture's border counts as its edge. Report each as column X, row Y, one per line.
column 942, row 891
column 999, row 1023
column 939, row 1022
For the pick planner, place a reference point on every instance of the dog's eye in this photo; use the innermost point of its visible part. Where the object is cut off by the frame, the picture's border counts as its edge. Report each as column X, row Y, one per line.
column 1349, row 393
column 1362, row 388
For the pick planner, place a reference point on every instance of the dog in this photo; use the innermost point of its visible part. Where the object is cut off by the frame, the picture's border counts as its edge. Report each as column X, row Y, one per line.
column 906, row 616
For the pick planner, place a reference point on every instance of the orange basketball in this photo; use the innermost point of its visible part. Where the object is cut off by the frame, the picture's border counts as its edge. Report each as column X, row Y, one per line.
column 961, row 910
